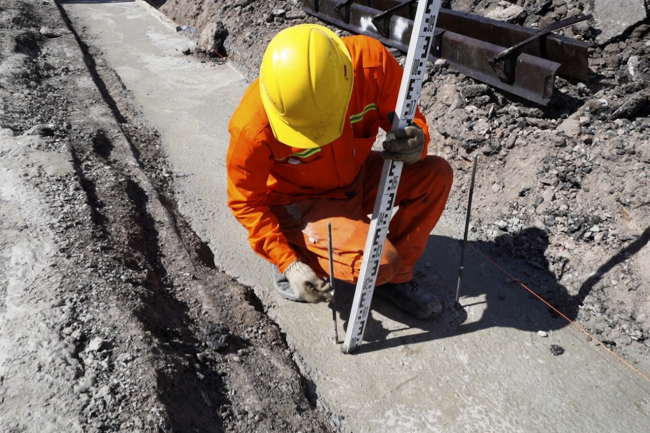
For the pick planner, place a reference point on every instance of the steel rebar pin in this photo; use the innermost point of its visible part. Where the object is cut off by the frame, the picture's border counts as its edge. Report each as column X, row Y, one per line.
column 467, row 218
column 333, row 302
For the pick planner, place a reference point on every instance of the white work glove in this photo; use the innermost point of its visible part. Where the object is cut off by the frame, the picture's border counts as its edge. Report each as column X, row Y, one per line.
column 306, row 285
column 404, row 144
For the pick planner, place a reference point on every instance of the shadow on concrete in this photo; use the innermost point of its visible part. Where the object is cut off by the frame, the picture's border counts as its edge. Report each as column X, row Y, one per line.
column 503, row 301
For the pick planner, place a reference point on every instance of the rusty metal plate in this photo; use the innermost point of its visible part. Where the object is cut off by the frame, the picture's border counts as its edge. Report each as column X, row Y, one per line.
column 467, row 41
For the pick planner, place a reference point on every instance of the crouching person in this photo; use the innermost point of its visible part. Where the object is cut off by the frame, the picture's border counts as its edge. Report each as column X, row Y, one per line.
column 300, row 157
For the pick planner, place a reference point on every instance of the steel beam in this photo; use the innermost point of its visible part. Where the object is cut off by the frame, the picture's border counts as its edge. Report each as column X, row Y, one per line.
column 467, row 41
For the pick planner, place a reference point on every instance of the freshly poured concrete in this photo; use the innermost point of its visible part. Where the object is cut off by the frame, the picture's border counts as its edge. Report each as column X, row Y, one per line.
column 481, row 369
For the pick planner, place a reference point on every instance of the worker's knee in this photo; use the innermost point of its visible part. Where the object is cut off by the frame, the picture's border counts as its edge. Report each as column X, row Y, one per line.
column 438, row 169
column 389, row 265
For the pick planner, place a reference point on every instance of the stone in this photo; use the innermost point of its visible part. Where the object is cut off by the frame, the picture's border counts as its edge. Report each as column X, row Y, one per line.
column 631, row 106
column 643, row 151
column 481, row 126
column 558, row 141
column 548, row 195
column 447, row 94
column 635, row 64
column 570, row 127
column 442, row 63
column 125, row 358
column 296, row 14
column 50, row 33
column 556, row 350
column 509, row 13
column 464, row 5
column 640, row 31
column 596, row 105
column 95, row 344
column 474, row 90
column 213, row 37
column 613, row 18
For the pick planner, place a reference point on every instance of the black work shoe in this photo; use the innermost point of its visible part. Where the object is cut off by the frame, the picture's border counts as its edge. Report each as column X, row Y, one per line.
column 282, row 286
column 411, row 299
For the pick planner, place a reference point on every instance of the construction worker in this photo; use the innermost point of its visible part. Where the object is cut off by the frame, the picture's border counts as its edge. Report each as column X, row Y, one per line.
column 301, row 157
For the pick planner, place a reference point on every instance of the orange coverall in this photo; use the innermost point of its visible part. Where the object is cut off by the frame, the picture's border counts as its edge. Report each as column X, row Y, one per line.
column 286, row 196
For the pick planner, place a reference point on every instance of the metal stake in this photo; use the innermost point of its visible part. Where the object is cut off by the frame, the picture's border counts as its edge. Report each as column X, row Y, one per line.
column 333, row 302
column 462, row 253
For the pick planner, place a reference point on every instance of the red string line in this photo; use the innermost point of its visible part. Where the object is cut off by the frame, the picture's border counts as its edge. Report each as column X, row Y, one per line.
column 600, row 343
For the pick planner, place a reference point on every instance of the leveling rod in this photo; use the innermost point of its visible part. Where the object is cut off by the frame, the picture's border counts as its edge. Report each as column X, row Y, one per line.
column 409, row 94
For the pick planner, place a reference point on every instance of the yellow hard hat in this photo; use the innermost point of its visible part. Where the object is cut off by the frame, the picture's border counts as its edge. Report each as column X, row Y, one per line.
column 306, row 82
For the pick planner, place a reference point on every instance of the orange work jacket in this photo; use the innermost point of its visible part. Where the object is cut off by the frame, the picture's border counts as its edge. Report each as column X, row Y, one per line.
column 263, row 172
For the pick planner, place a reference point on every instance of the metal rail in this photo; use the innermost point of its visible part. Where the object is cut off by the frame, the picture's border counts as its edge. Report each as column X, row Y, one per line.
column 468, row 42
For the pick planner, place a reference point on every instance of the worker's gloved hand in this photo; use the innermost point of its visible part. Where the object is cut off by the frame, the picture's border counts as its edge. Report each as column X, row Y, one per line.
column 306, row 285
column 404, row 144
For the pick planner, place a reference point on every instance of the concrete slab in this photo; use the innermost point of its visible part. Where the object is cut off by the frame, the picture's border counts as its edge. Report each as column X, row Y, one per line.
column 485, row 368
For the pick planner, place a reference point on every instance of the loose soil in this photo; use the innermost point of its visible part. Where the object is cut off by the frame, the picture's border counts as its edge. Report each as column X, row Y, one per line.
column 113, row 315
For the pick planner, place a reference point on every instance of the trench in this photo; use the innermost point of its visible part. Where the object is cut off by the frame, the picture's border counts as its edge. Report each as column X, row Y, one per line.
column 191, row 401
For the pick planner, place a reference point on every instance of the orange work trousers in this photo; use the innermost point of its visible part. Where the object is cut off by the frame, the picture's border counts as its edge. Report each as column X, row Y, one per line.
column 421, row 198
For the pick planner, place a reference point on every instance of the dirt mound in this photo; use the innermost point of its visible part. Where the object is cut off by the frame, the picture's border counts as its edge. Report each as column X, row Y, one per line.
column 113, row 316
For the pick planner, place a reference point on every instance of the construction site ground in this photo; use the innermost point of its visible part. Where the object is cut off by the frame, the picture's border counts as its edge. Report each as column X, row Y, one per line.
column 131, row 301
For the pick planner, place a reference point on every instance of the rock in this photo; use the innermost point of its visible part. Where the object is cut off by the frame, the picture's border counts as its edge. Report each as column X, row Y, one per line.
column 558, row 141
column 643, row 151
column 548, row 19
column 215, row 335
column 295, row 15
column 636, row 335
column 556, row 350
column 278, row 12
column 640, row 31
column 542, row 334
column 474, row 90
column 596, row 105
column 447, row 94
column 631, row 106
column 481, row 127
column 510, row 13
column 213, row 37
column 464, row 5
column 570, row 127
column 441, row 63
column 548, row 195
column 614, row 18
column 634, row 67
column 50, row 33
column 44, row 130
column 125, row 358
column 95, row 344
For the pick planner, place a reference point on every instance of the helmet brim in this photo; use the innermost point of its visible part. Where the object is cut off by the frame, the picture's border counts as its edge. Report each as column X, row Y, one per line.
column 317, row 137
